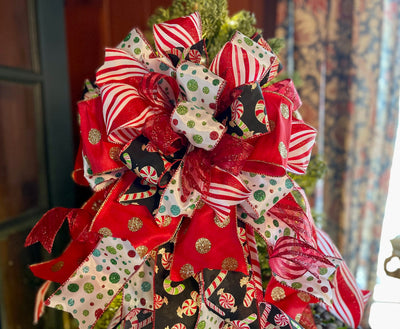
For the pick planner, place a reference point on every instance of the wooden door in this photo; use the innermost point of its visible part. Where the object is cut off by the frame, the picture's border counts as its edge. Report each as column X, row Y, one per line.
column 35, row 145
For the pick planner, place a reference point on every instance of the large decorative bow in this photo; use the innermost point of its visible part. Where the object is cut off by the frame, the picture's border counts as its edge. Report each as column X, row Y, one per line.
column 180, row 152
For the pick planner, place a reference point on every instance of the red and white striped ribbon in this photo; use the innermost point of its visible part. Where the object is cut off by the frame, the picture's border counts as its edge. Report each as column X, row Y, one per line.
column 225, row 190
column 119, row 67
column 180, row 32
column 348, row 299
column 255, row 263
column 302, row 140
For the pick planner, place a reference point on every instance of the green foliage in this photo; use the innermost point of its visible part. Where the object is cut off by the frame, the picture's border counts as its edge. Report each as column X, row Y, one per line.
column 218, row 27
column 109, row 313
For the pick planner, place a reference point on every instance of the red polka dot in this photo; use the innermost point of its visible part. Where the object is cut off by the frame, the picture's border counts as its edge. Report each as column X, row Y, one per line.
column 136, row 267
column 91, row 304
column 310, row 289
column 143, row 301
column 175, row 122
column 108, row 268
column 98, row 312
column 131, row 253
column 324, row 289
column 214, row 135
column 213, row 106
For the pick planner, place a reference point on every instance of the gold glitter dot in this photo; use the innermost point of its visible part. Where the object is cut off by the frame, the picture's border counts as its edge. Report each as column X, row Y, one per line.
column 105, row 232
column 304, row 296
column 203, row 245
column 142, row 251
column 278, row 294
column 114, row 153
column 57, row 266
column 222, row 224
column 135, row 224
column 285, row 110
column 282, row 150
column 94, row 136
column 200, row 204
column 96, row 205
column 186, row 271
column 229, row 264
column 298, row 317
column 166, row 221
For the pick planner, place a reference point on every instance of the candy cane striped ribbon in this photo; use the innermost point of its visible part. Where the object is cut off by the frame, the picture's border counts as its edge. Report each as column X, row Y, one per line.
column 39, row 301
column 301, row 142
column 120, row 67
column 180, row 32
column 243, row 67
column 224, row 191
column 348, row 300
column 255, row 264
column 125, row 112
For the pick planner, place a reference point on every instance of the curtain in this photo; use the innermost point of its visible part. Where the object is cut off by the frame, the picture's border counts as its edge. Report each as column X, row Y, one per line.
column 347, row 54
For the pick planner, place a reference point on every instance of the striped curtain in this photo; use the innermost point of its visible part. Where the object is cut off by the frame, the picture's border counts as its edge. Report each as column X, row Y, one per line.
column 347, row 54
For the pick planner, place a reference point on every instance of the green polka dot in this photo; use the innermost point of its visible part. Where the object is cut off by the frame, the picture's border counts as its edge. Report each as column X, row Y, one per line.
column 201, row 324
column 259, row 220
column 128, row 297
column 260, row 55
column 215, row 82
column 113, row 261
column 163, row 67
column 296, row 285
column 111, row 250
column 323, row 270
column 198, row 115
column 192, row 85
column 59, row 307
column 99, row 180
column 73, row 287
column 204, row 123
column 206, row 90
column 137, row 51
column 88, row 287
column 141, row 274
column 184, row 67
column 275, row 200
column 110, row 292
column 120, row 246
column 58, row 292
column 194, row 99
column 135, row 40
column 99, row 296
column 162, row 209
column 194, row 72
column 248, row 41
column 175, row 210
column 272, row 181
column 146, row 286
column 85, row 312
column 259, row 195
column 191, row 124
column 310, row 278
column 114, row 277
column 127, row 271
column 71, row 302
column 182, row 110
column 275, row 222
column 288, row 183
column 103, row 278
column 286, row 231
column 267, row 234
column 243, row 215
column 128, row 37
column 198, row 139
